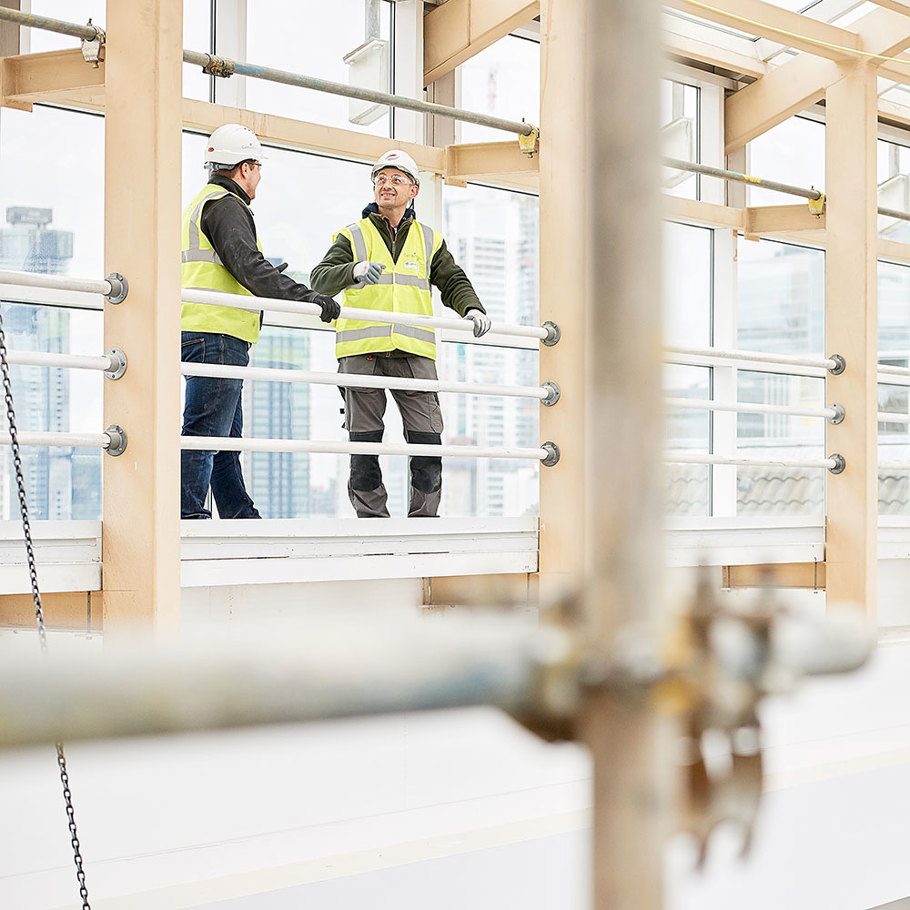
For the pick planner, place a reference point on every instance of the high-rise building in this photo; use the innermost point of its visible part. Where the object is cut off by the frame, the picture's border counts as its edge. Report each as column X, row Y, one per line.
column 493, row 236
column 42, row 396
column 279, row 482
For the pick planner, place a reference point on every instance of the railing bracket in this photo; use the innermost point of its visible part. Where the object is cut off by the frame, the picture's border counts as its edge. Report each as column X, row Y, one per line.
column 553, row 457
column 117, row 436
column 119, row 288
column 552, row 394
column 118, row 363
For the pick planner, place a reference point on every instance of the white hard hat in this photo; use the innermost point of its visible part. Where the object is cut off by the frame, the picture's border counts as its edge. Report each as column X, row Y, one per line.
column 400, row 160
column 229, row 145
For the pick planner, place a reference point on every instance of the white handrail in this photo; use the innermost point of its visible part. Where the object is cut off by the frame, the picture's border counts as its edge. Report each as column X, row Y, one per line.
column 272, row 374
column 59, row 440
column 825, row 363
column 112, row 286
column 246, row 444
column 702, row 404
column 255, row 304
column 686, row 458
column 101, row 362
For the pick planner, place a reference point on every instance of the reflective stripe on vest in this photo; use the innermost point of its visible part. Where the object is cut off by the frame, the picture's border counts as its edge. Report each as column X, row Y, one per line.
column 201, row 269
column 403, row 287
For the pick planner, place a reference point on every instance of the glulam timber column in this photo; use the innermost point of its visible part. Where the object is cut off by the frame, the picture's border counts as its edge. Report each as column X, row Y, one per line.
column 141, row 529
column 562, row 291
column 851, row 329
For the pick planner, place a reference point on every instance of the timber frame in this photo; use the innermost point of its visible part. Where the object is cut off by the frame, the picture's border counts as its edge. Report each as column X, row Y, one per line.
column 765, row 92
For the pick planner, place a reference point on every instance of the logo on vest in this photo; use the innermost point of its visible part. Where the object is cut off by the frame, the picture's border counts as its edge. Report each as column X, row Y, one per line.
column 411, row 264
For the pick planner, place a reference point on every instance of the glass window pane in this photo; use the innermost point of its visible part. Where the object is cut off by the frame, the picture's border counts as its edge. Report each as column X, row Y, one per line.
column 78, row 11
column 894, row 350
column 493, row 235
column 780, row 491
column 679, row 112
column 327, row 33
column 60, row 483
column 792, row 152
column 197, row 36
column 894, row 189
column 688, row 485
column 687, row 285
column 36, row 172
column 503, row 81
column 781, row 307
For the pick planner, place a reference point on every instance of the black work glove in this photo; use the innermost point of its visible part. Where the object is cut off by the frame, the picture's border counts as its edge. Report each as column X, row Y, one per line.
column 330, row 307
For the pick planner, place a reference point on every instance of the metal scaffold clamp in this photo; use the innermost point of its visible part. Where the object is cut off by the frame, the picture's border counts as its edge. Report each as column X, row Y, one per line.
column 219, row 66
column 527, row 143
column 118, row 441
column 710, row 673
column 92, row 48
column 817, row 206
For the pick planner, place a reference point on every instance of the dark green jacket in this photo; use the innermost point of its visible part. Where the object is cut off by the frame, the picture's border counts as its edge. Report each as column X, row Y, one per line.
column 336, row 271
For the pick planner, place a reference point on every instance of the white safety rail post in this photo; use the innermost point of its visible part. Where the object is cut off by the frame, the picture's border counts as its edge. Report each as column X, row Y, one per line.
column 623, row 507
column 143, row 119
column 851, row 329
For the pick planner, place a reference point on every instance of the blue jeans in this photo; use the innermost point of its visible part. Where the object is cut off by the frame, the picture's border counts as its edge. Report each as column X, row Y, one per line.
column 213, row 408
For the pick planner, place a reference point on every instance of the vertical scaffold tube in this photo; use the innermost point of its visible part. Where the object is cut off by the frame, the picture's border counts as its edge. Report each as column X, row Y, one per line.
column 624, row 503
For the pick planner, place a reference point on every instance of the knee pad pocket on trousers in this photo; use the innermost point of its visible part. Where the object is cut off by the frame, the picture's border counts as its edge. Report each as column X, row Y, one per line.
column 426, row 471
column 365, row 473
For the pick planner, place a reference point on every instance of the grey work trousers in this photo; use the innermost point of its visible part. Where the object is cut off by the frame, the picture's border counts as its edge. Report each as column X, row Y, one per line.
column 421, row 418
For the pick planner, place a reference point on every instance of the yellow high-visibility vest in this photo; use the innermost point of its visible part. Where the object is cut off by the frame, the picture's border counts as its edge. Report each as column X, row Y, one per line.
column 404, row 287
column 201, row 268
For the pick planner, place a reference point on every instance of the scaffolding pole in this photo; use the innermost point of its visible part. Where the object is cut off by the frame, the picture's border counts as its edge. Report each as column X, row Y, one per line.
column 624, row 504
column 27, row 20
column 225, row 66
column 215, row 65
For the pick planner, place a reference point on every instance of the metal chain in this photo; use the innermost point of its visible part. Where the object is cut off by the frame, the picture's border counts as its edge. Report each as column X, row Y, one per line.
column 39, row 610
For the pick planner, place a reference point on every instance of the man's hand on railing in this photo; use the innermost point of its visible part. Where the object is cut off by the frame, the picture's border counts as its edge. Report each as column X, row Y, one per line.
column 330, row 307
column 481, row 322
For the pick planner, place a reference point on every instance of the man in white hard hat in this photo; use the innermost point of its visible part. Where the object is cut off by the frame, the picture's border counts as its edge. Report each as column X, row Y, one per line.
column 388, row 261
column 221, row 252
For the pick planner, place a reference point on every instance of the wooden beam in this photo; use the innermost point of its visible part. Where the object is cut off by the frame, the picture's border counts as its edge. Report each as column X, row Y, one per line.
column 799, row 83
column 772, row 219
column 51, row 76
column 786, row 91
column 499, row 162
column 693, row 211
column 851, row 329
column 898, row 6
column 884, row 32
column 505, row 591
column 686, row 48
column 80, row 610
column 893, row 250
column 141, row 518
column 312, row 136
column 890, row 112
column 765, row 20
column 459, row 29
column 809, row 575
